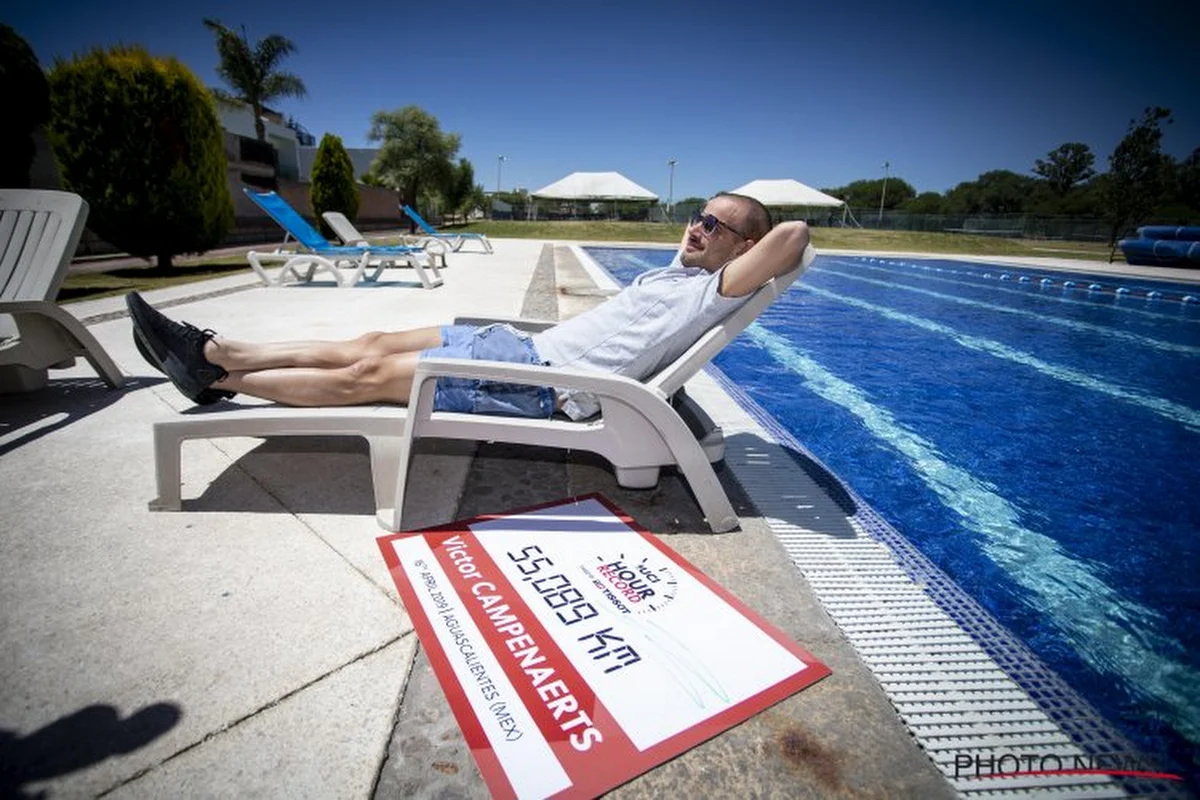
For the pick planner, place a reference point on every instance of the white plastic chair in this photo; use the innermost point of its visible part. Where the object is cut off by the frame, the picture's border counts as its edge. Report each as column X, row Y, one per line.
column 39, row 230
column 639, row 430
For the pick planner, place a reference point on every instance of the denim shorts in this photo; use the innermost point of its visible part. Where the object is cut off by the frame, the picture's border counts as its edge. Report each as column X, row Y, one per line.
column 474, row 396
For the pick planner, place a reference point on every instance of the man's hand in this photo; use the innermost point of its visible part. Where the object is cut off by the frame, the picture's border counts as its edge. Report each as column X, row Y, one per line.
column 778, row 252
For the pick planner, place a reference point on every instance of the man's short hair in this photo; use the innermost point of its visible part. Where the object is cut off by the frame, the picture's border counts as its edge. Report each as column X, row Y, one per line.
column 758, row 218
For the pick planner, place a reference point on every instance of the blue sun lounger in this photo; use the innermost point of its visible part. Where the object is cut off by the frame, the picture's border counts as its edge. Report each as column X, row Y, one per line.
column 455, row 240
column 321, row 255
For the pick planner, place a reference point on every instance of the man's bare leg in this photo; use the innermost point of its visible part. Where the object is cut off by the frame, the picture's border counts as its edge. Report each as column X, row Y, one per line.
column 235, row 356
column 371, row 379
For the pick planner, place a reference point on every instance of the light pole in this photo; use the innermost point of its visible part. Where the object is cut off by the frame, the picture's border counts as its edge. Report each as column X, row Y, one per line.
column 883, row 196
column 499, row 163
column 671, row 187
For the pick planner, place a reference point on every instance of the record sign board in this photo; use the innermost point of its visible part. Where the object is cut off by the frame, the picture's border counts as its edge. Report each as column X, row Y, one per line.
column 578, row 651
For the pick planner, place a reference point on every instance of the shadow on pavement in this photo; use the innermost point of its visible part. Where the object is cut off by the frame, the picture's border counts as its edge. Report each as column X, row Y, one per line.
column 28, row 416
column 78, row 740
column 299, row 474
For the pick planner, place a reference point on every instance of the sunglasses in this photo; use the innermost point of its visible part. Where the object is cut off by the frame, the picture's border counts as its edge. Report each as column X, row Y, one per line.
column 709, row 224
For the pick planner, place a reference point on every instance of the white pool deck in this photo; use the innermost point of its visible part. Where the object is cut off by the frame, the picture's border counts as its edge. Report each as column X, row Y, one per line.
column 254, row 644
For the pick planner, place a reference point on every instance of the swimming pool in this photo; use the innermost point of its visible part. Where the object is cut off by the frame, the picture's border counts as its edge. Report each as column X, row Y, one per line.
column 1036, row 441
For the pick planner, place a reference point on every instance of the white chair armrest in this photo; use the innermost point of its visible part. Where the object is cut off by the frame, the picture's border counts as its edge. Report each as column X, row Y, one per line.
column 598, row 383
column 528, row 325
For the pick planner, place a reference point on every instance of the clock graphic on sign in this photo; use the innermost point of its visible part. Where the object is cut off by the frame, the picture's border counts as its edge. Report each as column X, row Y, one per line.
column 642, row 585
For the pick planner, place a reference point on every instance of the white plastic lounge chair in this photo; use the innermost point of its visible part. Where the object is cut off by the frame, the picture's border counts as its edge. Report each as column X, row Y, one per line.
column 39, row 231
column 455, row 240
column 323, row 256
column 639, row 429
column 350, row 235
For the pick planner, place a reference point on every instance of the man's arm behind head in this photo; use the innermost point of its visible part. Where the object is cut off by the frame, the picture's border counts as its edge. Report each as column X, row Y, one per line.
column 779, row 251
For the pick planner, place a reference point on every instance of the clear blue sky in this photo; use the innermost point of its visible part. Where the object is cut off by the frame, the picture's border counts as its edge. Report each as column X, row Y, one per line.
column 821, row 92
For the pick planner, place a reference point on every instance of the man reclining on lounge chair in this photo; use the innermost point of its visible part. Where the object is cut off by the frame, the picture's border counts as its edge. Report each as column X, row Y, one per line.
column 728, row 251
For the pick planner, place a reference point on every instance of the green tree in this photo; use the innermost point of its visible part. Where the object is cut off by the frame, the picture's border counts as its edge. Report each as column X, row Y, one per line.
column 478, row 199
column 1003, row 191
column 1187, row 176
column 999, row 191
column 138, row 138
column 333, row 186
column 460, row 187
column 1066, row 166
column 252, row 72
column 414, row 154
column 1135, row 182
column 27, row 105
column 926, row 203
column 868, row 193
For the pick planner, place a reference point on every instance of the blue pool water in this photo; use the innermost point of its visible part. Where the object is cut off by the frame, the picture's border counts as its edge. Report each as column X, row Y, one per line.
column 1039, row 444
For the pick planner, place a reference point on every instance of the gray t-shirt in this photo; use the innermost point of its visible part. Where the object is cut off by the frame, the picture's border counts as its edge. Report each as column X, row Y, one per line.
column 636, row 333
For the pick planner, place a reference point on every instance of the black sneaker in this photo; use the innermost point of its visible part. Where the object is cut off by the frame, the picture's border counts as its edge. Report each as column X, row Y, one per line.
column 206, row 397
column 177, row 350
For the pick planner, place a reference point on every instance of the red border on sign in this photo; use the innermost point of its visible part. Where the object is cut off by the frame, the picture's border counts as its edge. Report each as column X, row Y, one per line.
column 615, row 744
column 616, row 760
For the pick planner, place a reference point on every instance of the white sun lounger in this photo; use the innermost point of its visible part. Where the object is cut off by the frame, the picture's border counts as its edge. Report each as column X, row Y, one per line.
column 638, row 430
column 39, row 230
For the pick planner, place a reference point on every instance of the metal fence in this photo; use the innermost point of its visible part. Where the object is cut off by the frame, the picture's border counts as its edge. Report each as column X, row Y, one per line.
column 1016, row 226
column 1024, row 226
column 1020, row 226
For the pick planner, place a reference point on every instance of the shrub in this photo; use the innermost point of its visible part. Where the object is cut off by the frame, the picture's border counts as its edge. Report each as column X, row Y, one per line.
column 27, row 105
column 333, row 186
column 138, row 138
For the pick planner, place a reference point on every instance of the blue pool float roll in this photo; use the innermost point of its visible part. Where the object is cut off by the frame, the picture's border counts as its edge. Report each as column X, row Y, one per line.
column 1161, row 252
column 1183, row 233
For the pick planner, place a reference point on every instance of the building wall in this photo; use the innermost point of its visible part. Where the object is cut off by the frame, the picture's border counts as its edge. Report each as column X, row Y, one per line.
column 240, row 120
column 378, row 208
column 361, row 159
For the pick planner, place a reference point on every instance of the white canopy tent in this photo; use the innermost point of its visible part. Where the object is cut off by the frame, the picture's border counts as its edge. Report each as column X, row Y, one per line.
column 595, row 186
column 787, row 192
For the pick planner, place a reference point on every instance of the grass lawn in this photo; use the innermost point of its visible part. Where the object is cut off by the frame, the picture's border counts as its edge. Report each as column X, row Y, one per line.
column 834, row 238
column 93, row 285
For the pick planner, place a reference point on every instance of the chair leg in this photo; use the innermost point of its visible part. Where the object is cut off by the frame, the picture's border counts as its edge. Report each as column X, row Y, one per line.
column 258, row 268
column 166, row 470
column 391, row 458
column 692, row 460
column 386, row 455
column 416, row 263
column 360, row 270
column 636, row 477
column 710, row 495
column 436, row 281
column 18, row 378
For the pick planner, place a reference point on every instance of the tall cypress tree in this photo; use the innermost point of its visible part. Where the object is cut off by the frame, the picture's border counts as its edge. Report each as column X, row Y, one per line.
column 333, row 186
